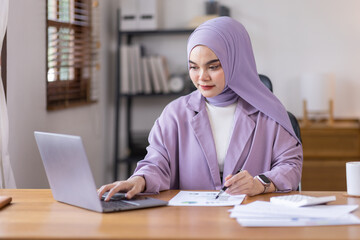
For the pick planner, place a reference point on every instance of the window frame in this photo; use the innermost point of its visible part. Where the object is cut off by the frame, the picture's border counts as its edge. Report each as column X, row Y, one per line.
column 74, row 92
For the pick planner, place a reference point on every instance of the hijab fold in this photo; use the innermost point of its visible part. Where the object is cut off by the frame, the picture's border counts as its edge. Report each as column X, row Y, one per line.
column 229, row 40
column 225, row 98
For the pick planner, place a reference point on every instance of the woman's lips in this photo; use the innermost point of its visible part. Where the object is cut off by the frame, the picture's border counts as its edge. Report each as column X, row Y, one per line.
column 204, row 87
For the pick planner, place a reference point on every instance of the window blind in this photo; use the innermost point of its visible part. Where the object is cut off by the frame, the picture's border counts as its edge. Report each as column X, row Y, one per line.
column 72, row 52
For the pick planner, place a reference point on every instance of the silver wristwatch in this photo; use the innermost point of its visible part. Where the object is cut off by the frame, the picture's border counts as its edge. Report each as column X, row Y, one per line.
column 264, row 181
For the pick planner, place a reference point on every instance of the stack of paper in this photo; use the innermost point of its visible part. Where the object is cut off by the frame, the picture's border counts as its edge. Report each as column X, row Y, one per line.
column 266, row 214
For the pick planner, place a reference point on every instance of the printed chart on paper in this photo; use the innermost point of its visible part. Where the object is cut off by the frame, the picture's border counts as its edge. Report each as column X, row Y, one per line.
column 194, row 198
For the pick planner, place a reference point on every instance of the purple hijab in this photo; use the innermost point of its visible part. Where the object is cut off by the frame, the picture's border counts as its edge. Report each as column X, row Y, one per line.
column 229, row 40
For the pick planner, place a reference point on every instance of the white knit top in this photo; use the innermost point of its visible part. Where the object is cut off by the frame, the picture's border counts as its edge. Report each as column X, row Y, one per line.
column 222, row 122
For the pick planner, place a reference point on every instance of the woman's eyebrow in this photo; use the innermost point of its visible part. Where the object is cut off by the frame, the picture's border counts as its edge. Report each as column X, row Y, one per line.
column 212, row 61
column 209, row 62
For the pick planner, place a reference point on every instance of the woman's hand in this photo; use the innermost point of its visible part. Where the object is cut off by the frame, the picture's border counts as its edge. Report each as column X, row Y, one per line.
column 132, row 186
column 244, row 183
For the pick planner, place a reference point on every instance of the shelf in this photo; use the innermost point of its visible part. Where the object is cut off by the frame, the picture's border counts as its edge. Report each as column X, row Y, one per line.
column 136, row 147
column 172, row 94
column 157, row 32
column 338, row 123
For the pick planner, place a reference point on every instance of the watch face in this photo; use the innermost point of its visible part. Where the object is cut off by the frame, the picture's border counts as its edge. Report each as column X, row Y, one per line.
column 264, row 179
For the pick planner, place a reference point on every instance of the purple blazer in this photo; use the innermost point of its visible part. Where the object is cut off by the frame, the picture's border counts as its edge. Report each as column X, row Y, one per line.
column 182, row 153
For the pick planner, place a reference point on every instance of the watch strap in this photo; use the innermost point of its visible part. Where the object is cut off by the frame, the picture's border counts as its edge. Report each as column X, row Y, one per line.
column 265, row 188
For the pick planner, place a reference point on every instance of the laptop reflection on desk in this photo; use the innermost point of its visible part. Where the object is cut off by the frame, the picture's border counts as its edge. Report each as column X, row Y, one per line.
column 71, row 180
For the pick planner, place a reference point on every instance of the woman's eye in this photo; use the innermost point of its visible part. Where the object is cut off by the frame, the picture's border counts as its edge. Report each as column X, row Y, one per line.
column 214, row 67
column 193, row 67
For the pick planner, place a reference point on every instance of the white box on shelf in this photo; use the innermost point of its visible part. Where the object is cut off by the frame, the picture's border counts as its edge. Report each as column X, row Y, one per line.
column 148, row 14
column 129, row 15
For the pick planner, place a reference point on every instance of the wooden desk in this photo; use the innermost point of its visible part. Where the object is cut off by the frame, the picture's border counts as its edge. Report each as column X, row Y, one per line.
column 34, row 214
column 326, row 151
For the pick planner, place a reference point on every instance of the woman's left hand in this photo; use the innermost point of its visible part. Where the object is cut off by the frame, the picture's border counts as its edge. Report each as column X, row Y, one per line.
column 243, row 183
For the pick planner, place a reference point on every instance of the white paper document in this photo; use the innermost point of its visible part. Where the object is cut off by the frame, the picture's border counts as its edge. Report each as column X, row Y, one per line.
column 266, row 214
column 349, row 219
column 192, row 198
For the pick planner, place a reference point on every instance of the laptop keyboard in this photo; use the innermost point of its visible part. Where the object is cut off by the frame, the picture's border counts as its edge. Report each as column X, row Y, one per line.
column 116, row 205
column 119, row 202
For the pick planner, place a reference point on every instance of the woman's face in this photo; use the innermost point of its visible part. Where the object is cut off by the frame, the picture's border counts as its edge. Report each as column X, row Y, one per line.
column 206, row 72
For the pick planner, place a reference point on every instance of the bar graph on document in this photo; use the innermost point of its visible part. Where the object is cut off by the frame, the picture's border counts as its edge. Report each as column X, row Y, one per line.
column 201, row 198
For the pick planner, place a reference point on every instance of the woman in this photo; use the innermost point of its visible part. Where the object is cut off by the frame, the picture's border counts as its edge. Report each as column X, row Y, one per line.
column 231, row 122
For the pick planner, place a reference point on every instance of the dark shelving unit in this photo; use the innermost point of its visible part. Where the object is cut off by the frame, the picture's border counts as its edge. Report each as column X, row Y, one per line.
column 136, row 152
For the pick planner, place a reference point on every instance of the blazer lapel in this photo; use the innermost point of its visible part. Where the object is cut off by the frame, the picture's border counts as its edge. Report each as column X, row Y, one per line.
column 243, row 128
column 202, row 129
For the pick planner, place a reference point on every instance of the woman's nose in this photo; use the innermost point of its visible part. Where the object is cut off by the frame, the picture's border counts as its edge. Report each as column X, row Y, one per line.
column 203, row 75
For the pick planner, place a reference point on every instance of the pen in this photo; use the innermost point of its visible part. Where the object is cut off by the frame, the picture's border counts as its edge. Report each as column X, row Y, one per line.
column 224, row 188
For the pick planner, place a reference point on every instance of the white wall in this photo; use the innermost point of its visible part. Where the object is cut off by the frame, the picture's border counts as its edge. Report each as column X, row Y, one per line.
column 27, row 96
column 289, row 38
column 293, row 37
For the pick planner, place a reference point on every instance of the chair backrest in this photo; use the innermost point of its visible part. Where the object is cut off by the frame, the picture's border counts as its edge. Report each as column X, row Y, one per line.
column 266, row 80
column 294, row 122
column 295, row 125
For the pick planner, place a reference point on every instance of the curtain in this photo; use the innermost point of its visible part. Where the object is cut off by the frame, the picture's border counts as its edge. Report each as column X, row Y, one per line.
column 6, row 174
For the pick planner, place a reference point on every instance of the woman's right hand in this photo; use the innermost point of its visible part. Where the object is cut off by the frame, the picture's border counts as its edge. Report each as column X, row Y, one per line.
column 132, row 186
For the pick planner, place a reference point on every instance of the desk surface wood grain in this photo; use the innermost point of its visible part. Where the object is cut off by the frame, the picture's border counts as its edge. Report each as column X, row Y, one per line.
column 34, row 214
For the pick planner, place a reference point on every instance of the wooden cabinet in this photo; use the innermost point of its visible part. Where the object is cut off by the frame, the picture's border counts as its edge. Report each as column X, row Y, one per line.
column 326, row 151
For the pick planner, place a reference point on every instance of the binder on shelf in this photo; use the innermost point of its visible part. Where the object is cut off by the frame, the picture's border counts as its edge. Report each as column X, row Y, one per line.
column 145, row 76
column 137, row 66
column 129, row 15
column 154, row 74
column 132, row 70
column 163, row 73
column 124, row 70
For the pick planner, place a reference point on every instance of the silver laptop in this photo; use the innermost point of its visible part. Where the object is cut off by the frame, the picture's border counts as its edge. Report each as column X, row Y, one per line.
column 71, row 180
